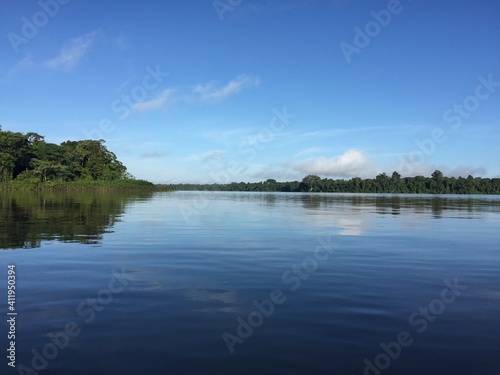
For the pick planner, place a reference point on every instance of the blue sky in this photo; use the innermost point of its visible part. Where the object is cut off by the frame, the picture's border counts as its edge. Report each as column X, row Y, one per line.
column 230, row 90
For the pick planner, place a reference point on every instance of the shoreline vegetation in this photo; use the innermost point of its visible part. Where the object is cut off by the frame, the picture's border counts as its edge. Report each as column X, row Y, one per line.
column 79, row 185
column 28, row 163
column 382, row 183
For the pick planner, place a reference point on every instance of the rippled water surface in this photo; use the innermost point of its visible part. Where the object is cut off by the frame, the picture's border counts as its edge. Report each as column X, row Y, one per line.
column 250, row 283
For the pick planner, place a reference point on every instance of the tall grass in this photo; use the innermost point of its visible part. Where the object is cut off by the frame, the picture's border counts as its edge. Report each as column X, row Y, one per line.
column 79, row 185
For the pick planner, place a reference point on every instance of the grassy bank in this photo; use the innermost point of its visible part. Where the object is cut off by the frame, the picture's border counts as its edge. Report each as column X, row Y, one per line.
column 79, row 185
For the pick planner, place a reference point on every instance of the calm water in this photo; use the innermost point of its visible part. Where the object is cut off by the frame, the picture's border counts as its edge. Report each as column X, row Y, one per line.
column 172, row 283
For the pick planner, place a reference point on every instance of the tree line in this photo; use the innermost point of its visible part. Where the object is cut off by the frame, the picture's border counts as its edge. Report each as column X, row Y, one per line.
column 437, row 183
column 27, row 159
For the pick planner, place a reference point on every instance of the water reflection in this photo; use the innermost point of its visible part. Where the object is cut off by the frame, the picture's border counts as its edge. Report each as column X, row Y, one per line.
column 28, row 218
column 397, row 204
column 353, row 213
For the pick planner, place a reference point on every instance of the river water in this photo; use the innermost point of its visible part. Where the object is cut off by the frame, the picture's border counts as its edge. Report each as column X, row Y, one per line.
column 251, row 283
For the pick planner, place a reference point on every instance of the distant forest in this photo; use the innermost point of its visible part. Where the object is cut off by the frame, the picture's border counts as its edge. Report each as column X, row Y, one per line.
column 26, row 160
column 435, row 184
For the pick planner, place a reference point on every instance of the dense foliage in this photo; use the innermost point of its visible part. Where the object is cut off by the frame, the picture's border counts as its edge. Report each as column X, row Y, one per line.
column 436, row 184
column 26, row 160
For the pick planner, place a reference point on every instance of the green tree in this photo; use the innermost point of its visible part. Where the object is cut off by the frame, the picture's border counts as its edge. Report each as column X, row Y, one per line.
column 437, row 175
column 30, row 155
column 310, row 182
column 14, row 153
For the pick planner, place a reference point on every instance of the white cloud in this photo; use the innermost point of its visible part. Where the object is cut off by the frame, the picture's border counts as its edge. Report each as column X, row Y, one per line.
column 464, row 171
column 229, row 137
column 153, row 154
column 120, row 42
column 207, row 156
column 309, row 151
column 72, row 52
column 353, row 163
column 156, row 103
column 206, row 92
column 23, row 64
column 338, row 132
column 209, row 91
column 26, row 63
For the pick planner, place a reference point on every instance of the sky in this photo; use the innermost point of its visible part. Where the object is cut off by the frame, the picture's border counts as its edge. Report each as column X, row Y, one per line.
column 205, row 91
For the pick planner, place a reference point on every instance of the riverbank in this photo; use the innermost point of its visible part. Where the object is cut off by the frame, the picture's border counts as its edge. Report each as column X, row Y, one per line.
column 80, row 185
